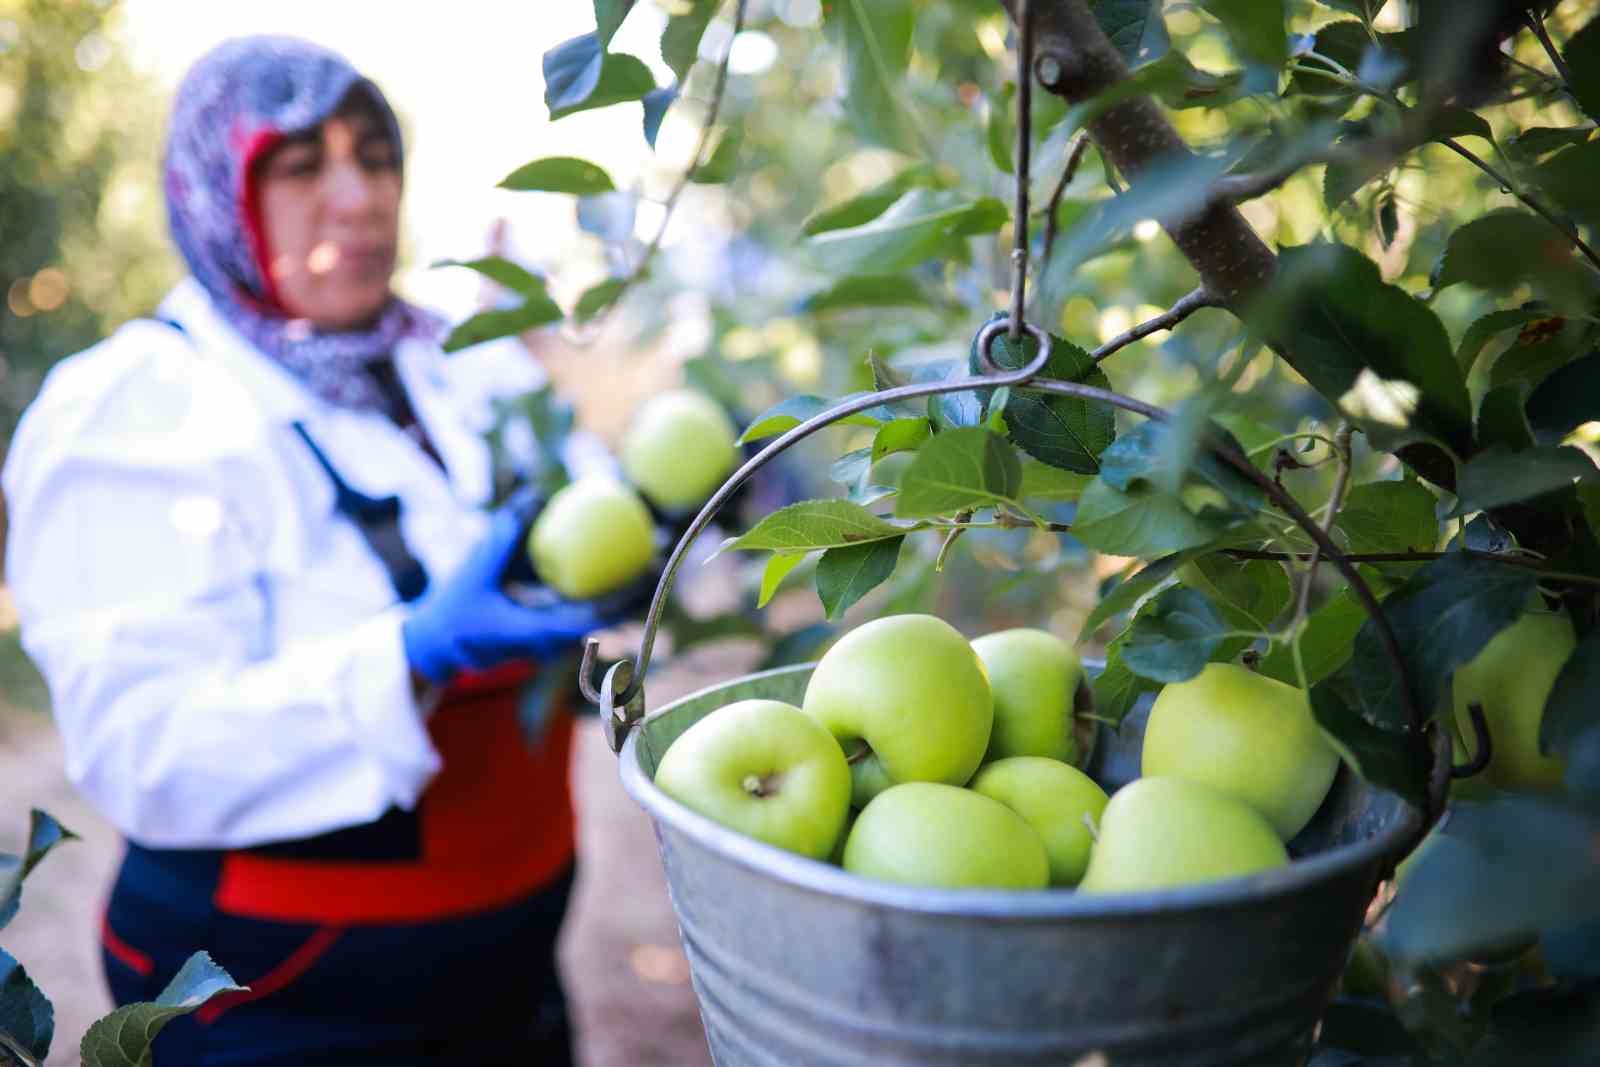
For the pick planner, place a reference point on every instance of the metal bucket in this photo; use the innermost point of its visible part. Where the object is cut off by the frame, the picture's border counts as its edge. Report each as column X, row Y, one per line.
column 798, row 964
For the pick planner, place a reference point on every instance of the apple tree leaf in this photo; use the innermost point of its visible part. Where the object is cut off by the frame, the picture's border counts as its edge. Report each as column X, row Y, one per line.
column 1250, row 593
column 123, row 1038
column 900, row 435
column 1174, row 636
column 598, row 297
column 680, row 41
column 875, row 36
column 503, row 272
column 1324, row 643
column 816, row 524
column 1256, row 28
column 1139, row 521
column 27, row 1018
column 559, row 174
column 845, row 575
column 1571, row 708
column 777, row 569
column 579, row 74
column 792, row 411
column 919, row 225
column 958, row 469
column 1393, row 516
column 44, row 834
column 1063, row 431
column 1133, row 589
column 1497, row 476
column 608, row 16
column 864, row 207
column 1379, row 756
column 1565, row 400
column 1486, row 328
column 538, row 310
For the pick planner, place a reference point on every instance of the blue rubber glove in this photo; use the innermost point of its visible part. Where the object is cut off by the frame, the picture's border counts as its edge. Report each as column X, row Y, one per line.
column 468, row 623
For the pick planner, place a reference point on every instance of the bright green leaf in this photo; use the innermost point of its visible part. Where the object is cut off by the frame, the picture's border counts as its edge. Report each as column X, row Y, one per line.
column 901, row 435
column 816, row 524
column 580, row 75
column 559, row 174
column 1040, row 481
column 680, row 41
column 1140, row 522
column 502, row 272
column 1324, row 643
column 959, row 469
column 792, row 411
column 876, row 39
column 1256, row 28
column 869, row 205
column 1393, row 516
column 778, row 567
column 914, row 228
column 597, row 298
column 845, row 575
column 538, row 310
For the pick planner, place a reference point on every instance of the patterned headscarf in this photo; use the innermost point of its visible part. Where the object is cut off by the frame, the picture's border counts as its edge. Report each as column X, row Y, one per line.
column 236, row 103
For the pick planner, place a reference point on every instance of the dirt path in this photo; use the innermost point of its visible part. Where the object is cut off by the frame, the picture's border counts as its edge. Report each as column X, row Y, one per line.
column 625, row 970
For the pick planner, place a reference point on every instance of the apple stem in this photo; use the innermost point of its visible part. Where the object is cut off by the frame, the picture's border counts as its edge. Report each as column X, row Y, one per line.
column 1094, row 831
column 859, row 754
column 761, row 785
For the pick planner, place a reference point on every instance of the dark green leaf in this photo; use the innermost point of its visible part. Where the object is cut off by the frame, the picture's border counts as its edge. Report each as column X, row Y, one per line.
column 1571, row 707
column 814, row 524
column 1583, row 61
column 722, row 164
column 608, row 15
column 1487, row 327
column 44, row 834
column 1568, row 178
column 1337, row 315
column 579, row 75
column 1131, row 590
column 559, row 174
column 123, row 1038
column 779, row 564
column 1442, row 617
column 1348, row 43
column 1344, row 177
column 1063, row 431
column 1117, row 689
column 1251, row 593
column 1502, row 423
column 1134, row 26
column 1396, row 516
column 792, row 411
column 1541, row 348
column 876, row 38
column 656, row 102
column 538, row 310
column 27, row 1018
column 916, row 227
column 1504, row 249
column 1497, row 476
column 504, row 273
column 1381, row 757
column 680, row 41
column 868, row 291
column 1527, row 146
column 872, row 203
column 1174, row 636
column 599, row 297
column 1494, row 871
column 1148, row 455
column 1324, row 643
column 1255, row 27
column 1566, row 400
column 959, row 469
column 901, row 435
column 1140, row 522
column 845, row 575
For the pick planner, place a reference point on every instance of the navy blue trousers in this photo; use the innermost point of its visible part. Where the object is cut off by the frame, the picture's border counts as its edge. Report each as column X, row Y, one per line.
column 479, row 990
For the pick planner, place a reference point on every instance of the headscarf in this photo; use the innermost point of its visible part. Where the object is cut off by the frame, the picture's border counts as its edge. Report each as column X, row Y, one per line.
column 238, row 102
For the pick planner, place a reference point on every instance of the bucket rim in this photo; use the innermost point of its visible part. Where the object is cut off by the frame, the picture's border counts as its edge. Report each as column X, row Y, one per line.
column 821, row 877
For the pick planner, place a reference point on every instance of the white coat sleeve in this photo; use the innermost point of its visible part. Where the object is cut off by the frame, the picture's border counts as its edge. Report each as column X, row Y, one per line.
column 143, row 603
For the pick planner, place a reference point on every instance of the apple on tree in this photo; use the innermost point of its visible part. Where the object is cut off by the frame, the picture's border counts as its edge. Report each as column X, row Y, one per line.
column 908, row 700
column 1058, row 800
column 1248, row 735
column 679, row 448
column 1158, row 833
column 1511, row 678
column 593, row 537
column 1034, row 676
column 766, row 769
column 943, row 836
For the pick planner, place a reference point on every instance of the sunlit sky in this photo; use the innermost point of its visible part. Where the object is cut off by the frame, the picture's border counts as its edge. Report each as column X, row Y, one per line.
column 466, row 77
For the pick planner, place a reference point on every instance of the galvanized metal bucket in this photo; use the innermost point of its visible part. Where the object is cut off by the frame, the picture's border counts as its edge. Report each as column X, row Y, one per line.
column 796, row 962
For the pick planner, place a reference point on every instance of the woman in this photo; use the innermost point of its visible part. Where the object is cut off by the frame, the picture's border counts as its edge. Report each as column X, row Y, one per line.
column 250, row 555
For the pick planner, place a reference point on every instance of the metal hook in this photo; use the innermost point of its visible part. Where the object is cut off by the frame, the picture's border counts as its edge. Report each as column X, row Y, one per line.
column 1482, row 747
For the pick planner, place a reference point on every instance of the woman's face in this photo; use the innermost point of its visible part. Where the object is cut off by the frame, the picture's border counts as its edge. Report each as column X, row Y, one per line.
column 330, row 213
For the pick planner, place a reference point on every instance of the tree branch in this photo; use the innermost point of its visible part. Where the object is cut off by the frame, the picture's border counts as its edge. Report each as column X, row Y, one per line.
column 1536, row 24
column 1080, row 145
column 1506, row 185
column 1187, row 305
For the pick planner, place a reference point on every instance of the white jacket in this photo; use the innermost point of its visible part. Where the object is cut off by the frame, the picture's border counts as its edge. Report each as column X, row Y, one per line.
column 222, row 649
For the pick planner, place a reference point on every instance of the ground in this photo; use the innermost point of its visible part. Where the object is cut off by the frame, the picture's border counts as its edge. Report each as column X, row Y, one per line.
column 624, row 966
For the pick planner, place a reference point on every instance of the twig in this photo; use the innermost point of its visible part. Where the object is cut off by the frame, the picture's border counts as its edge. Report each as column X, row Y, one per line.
column 1187, row 305
column 1080, row 145
column 1341, row 452
column 1570, row 233
column 1424, row 557
column 1536, row 24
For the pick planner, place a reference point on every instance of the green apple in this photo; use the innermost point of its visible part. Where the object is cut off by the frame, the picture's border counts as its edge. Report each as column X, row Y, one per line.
column 1057, row 799
column 1247, row 735
column 766, row 769
column 930, row 834
column 1162, row 832
column 908, row 700
column 679, row 449
column 594, row 536
column 1034, row 676
column 1512, row 677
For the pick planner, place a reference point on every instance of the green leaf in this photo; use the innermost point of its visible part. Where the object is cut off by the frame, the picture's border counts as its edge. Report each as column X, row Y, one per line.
column 798, row 646
column 1174, row 636
column 1135, row 27
column 1487, row 327
column 580, row 75
column 1497, row 476
column 872, row 203
column 538, row 310
column 1143, row 521
column 1570, row 708
column 1568, row 178
column 876, row 38
column 1442, row 617
column 504, row 273
column 123, row 1038
column 901, row 435
column 559, row 174
column 1133, row 589
column 922, row 223
column 1040, row 481
column 1063, row 431
column 958, row 469
column 1504, row 249
column 792, row 411
column 868, row 291
column 27, row 1018
column 845, row 575
column 779, row 564
column 1336, row 314
column 1324, row 643
column 1566, row 400
column 1541, row 348
column 1152, row 455
column 1583, row 61
column 1502, row 423
column 1528, row 145
column 1395, row 516
column 608, row 15
column 680, row 41
column 656, row 102
column 1256, row 28
column 44, row 834
column 597, row 298
column 724, row 161
column 1001, row 130
column 1348, row 43
column 1251, row 593
column 814, row 524
column 1381, row 757
column 1117, row 689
